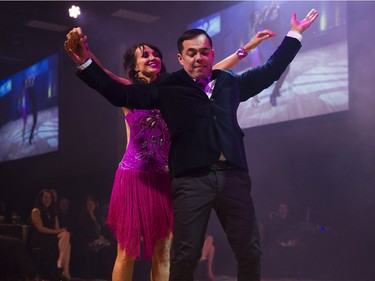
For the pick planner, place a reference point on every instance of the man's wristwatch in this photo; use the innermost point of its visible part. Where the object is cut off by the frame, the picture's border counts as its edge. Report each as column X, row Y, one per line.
column 241, row 53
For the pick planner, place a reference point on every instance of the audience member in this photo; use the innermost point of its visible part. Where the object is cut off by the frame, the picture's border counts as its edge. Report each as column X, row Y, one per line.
column 281, row 244
column 204, row 270
column 46, row 235
column 16, row 218
column 65, row 215
column 97, row 251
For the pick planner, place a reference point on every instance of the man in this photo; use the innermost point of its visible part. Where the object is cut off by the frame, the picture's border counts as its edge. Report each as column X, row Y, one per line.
column 207, row 158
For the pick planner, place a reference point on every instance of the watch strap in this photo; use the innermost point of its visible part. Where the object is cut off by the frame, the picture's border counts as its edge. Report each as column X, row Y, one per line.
column 242, row 53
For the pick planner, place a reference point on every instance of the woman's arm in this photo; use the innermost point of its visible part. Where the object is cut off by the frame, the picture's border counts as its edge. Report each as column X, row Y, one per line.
column 110, row 73
column 38, row 223
column 230, row 61
column 295, row 26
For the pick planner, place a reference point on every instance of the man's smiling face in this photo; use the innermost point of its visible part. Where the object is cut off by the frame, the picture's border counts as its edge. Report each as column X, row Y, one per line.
column 197, row 57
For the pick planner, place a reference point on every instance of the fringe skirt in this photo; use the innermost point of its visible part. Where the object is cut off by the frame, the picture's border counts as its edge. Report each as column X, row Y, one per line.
column 140, row 208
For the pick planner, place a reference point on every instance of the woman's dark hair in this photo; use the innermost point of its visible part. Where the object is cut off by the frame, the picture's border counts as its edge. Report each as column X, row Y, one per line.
column 39, row 203
column 190, row 34
column 130, row 62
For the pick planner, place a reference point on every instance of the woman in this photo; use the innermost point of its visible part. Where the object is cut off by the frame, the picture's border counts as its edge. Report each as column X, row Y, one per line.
column 140, row 206
column 47, row 233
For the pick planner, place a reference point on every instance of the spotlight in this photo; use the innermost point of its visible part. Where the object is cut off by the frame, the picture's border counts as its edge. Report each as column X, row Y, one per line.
column 74, row 11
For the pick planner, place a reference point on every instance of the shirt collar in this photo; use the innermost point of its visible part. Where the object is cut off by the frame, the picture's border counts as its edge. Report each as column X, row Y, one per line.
column 209, row 78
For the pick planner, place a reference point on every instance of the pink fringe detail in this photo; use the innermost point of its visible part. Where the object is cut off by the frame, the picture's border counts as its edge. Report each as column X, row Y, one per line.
column 141, row 205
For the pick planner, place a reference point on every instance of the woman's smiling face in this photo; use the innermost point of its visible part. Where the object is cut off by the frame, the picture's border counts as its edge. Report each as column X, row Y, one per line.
column 148, row 63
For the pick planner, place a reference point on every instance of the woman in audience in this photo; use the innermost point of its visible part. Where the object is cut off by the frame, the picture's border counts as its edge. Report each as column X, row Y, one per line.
column 47, row 234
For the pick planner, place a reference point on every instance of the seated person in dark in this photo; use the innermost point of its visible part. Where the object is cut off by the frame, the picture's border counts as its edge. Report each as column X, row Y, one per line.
column 281, row 244
column 204, row 270
column 97, row 251
column 51, row 241
column 65, row 214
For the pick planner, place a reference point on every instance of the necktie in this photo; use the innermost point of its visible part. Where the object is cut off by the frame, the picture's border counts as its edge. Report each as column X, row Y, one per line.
column 202, row 82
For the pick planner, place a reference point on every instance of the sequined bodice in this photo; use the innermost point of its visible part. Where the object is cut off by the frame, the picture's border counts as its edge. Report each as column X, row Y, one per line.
column 148, row 143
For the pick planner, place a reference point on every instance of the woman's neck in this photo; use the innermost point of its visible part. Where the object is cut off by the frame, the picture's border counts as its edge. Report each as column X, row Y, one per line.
column 148, row 78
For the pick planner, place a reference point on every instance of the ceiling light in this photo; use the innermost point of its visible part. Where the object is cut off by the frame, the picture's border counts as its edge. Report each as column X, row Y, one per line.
column 74, row 11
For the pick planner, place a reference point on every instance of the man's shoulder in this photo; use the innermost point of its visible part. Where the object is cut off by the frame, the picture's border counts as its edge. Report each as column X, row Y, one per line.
column 173, row 76
column 221, row 74
column 163, row 78
column 218, row 72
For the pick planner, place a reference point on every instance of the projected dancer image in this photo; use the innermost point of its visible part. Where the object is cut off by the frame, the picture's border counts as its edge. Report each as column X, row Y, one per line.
column 28, row 98
column 271, row 20
column 29, row 106
column 207, row 159
column 255, row 60
column 268, row 18
column 141, row 202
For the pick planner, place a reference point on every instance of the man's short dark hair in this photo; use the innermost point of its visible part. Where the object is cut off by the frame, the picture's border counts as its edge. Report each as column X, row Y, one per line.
column 190, row 34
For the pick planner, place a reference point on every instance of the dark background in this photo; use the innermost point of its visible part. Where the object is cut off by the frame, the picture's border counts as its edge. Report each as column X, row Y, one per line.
column 325, row 164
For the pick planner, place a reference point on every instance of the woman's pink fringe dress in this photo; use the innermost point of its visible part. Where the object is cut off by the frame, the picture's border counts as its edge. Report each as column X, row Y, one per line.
column 141, row 204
